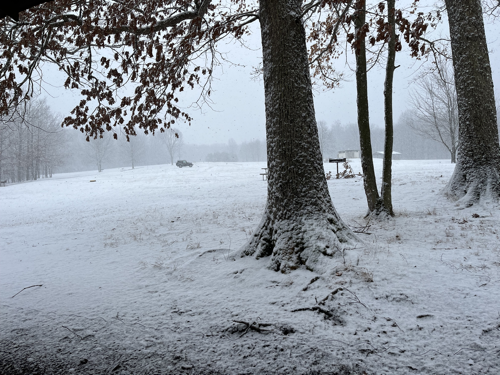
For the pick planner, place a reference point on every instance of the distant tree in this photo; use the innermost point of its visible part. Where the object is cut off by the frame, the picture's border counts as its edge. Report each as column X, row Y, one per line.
column 6, row 136
column 221, row 157
column 477, row 173
column 30, row 145
column 172, row 139
column 434, row 104
column 233, row 147
column 99, row 150
column 133, row 149
column 325, row 139
column 253, row 151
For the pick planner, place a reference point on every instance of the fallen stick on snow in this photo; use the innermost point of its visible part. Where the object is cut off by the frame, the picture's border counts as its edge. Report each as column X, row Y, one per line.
column 73, row 332
column 253, row 326
column 32, row 286
column 329, row 314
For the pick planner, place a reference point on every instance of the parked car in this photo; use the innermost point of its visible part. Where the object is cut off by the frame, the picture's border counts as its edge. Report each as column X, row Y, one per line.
column 183, row 163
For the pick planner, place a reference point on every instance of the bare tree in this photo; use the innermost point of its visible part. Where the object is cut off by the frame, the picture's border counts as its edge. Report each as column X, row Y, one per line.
column 30, row 145
column 393, row 44
column 325, row 139
column 233, row 149
column 434, row 104
column 477, row 173
column 99, row 150
column 172, row 139
column 6, row 138
column 133, row 149
column 369, row 180
column 253, row 151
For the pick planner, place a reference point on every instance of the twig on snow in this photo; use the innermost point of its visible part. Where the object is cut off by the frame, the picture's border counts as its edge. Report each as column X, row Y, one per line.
column 329, row 314
column 361, row 228
column 354, row 299
column 430, row 350
column 117, row 366
column 310, row 282
column 253, row 326
column 357, row 300
column 404, row 258
column 322, row 302
column 73, row 332
column 473, row 349
column 32, row 286
column 392, row 320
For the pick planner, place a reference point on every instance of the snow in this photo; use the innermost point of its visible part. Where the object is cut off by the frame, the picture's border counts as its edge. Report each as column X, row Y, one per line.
column 138, row 276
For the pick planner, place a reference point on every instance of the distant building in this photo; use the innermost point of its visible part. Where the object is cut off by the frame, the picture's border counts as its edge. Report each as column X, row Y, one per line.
column 380, row 155
column 349, row 154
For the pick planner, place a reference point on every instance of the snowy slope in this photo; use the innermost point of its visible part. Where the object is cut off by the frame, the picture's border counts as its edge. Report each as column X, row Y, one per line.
column 137, row 277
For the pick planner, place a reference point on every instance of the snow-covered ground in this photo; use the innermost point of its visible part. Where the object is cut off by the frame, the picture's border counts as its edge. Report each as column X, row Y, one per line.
column 135, row 276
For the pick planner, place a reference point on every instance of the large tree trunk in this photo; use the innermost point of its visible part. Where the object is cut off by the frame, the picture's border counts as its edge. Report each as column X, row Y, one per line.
column 300, row 226
column 477, row 173
column 386, row 190
column 370, row 182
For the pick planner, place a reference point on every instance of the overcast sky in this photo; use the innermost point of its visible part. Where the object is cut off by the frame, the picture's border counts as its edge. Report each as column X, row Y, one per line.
column 237, row 110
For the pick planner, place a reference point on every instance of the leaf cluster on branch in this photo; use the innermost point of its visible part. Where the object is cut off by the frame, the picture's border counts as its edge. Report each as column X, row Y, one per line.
column 334, row 23
column 159, row 48
column 131, row 59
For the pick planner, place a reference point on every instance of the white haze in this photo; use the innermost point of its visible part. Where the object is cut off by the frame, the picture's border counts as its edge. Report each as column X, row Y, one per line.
column 237, row 103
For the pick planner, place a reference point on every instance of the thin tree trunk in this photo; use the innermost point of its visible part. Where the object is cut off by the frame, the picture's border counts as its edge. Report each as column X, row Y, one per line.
column 370, row 182
column 300, row 226
column 386, row 190
column 477, row 172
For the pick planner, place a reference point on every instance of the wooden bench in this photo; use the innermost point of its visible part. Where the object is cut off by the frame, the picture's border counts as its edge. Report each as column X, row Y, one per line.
column 264, row 175
column 342, row 160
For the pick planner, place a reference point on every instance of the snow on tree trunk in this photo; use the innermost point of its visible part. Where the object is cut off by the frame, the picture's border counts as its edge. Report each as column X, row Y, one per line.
column 300, row 226
column 477, row 172
column 365, row 143
column 386, row 190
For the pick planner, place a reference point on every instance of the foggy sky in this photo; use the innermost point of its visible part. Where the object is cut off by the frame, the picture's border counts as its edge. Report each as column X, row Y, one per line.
column 237, row 110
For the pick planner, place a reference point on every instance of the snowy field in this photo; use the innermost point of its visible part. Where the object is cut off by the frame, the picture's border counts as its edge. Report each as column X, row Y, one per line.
column 135, row 276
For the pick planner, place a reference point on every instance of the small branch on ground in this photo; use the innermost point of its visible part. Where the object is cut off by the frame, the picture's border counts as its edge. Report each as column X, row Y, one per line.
column 362, row 229
column 327, row 313
column 395, row 324
column 331, row 314
column 73, row 332
column 322, row 302
column 355, row 299
column 310, row 282
column 32, row 286
column 258, row 327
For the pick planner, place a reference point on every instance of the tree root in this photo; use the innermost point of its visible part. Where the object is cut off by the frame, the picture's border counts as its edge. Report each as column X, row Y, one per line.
column 315, row 242
column 470, row 187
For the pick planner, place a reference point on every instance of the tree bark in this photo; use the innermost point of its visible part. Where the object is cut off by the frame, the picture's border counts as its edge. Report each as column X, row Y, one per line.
column 300, row 226
column 386, row 190
column 370, row 182
column 476, row 176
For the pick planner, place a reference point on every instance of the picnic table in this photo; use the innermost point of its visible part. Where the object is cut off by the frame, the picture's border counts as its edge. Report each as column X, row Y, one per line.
column 264, row 175
column 341, row 160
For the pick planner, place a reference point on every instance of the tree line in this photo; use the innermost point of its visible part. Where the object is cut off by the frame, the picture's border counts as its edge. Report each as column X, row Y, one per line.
column 31, row 147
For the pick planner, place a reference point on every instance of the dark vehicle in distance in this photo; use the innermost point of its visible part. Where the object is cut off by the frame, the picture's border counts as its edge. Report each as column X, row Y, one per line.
column 183, row 163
